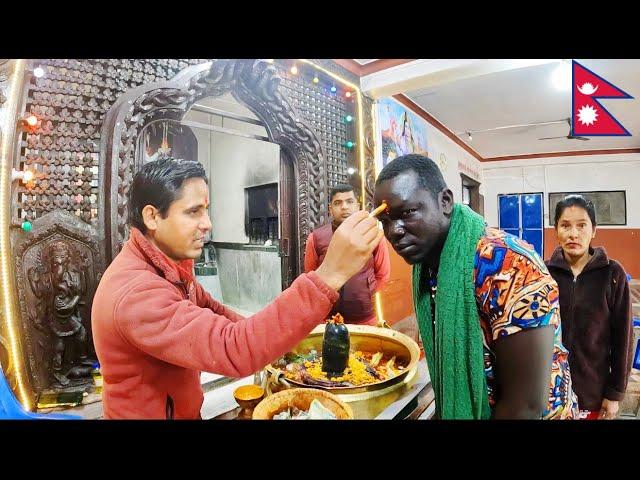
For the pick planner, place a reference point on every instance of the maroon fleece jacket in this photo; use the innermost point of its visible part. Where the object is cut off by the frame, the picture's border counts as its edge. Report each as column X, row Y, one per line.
column 155, row 329
column 597, row 326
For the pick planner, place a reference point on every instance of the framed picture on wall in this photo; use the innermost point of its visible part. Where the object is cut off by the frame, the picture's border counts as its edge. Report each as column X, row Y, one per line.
column 610, row 206
column 400, row 131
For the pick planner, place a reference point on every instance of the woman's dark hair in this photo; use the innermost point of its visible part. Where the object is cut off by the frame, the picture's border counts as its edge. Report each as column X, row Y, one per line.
column 159, row 183
column 575, row 201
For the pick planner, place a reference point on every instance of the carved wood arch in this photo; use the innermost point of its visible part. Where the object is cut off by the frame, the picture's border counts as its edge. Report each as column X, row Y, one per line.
column 255, row 84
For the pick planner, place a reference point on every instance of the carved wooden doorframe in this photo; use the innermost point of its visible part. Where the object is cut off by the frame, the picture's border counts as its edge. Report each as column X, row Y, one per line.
column 255, row 84
column 291, row 260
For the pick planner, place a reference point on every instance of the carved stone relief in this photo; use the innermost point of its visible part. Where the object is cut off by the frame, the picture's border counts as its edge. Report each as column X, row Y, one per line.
column 58, row 268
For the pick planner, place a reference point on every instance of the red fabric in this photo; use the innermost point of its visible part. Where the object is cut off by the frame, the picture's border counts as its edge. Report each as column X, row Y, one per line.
column 155, row 329
column 356, row 298
column 381, row 261
column 589, row 415
column 381, row 264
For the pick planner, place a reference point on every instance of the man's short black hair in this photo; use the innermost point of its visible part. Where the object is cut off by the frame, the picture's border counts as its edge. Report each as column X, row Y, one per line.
column 159, row 183
column 575, row 200
column 340, row 188
column 429, row 175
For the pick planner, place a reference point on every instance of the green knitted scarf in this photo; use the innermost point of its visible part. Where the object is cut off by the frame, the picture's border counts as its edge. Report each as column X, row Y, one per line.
column 454, row 353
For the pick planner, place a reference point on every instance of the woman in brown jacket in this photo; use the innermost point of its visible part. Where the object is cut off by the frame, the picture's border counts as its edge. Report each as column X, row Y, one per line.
column 595, row 309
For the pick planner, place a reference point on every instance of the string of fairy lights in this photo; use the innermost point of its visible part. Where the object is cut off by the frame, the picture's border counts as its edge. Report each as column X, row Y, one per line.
column 8, row 300
column 317, row 75
column 336, row 86
column 30, row 124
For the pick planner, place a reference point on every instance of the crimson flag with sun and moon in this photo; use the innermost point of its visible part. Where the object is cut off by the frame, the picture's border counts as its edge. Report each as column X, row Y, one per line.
column 590, row 118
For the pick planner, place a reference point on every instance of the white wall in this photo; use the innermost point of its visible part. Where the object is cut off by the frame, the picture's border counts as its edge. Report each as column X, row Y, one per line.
column 245, row 276
column 234, row 164
column 237, row 163
column 454, row 156
column 563, row 174
column 450, row 157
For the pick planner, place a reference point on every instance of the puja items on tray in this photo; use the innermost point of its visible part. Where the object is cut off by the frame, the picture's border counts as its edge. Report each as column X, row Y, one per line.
column 316, row 411
column 336, row 366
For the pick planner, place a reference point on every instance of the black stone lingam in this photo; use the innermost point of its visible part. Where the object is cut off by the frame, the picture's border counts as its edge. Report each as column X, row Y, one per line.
column 335, row 347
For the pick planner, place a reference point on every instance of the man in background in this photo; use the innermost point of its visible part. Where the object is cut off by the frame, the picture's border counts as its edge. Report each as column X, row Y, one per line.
column 356, row 302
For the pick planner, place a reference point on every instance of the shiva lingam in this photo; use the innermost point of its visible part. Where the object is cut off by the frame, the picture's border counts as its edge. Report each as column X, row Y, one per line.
column 345, row 349
column 335, row 347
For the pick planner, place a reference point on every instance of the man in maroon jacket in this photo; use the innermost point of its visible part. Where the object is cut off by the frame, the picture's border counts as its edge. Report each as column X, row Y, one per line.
column 155, row 328
column 356, row 296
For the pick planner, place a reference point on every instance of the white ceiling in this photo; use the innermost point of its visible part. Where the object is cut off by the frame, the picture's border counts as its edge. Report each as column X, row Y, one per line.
column 516, row 96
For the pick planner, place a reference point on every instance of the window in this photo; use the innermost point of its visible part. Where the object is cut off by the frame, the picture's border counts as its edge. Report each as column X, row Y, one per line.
column 520, row 214
column 611, row 206
column 261, row 217
column 471, row 194
column 466, row 195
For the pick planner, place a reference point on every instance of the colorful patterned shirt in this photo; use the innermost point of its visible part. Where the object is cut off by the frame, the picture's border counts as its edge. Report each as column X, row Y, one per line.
column 514, row 291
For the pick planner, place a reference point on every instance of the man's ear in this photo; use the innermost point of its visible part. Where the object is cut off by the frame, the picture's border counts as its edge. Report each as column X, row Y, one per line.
column 446, row 201
column 150, row 215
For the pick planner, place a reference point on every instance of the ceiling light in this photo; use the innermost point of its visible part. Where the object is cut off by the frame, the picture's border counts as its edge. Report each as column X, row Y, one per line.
column 561, row 76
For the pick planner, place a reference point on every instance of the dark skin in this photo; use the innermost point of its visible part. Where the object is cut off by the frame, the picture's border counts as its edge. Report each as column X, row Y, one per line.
column 417, row 224
column 523, row 370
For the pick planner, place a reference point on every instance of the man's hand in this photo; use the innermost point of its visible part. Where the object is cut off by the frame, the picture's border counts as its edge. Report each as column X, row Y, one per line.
column 608, row 409
column 351, row 246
